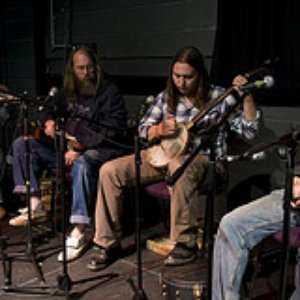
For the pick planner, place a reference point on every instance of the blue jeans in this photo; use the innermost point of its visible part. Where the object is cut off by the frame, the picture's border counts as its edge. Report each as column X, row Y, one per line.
column 85, row 178
column 41, row 156
column 84, row 172
column 239, row 231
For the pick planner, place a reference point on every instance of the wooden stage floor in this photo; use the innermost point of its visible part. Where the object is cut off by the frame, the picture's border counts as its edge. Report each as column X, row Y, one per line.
column 109, row 284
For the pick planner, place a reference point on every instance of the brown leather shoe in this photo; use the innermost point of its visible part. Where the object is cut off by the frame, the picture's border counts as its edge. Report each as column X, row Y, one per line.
column 2, row 212
column 180, row 255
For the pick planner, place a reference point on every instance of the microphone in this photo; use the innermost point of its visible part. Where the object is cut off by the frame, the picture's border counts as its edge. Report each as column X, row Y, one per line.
column 53, row 91
column 267, row 82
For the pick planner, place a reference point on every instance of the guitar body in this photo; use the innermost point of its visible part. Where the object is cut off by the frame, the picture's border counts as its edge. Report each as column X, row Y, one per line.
column 160, row 155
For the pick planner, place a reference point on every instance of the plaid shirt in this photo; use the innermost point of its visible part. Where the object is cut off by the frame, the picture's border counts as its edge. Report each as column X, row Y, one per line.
column 185, row 112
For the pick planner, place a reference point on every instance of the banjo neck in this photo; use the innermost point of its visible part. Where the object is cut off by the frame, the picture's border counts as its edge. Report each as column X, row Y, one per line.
column 211, row 104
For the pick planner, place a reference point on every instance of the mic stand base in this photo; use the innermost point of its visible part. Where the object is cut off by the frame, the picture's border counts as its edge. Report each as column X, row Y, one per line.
column 64, row 283
column 140, row 295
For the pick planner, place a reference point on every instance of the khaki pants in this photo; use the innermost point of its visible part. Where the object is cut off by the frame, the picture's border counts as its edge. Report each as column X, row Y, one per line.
column 118, row 174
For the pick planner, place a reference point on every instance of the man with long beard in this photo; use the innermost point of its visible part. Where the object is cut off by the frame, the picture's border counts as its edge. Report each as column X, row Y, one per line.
column 94, row 114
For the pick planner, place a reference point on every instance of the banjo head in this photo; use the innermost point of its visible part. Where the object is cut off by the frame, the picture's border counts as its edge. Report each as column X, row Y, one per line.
column 160, row 155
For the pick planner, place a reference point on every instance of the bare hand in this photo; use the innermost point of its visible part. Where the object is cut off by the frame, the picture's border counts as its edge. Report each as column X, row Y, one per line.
column 237, row 82
column 296, row 192
column 71, row 156
column 168, row 126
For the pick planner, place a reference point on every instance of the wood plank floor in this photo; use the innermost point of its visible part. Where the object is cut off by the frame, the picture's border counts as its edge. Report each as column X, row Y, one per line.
column 111, row 283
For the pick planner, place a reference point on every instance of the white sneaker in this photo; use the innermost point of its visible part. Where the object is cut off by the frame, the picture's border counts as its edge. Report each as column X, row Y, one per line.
column 39, row 214
column 74, row 248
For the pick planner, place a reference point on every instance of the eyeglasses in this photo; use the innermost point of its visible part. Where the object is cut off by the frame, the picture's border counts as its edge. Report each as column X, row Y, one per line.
column 88, row 68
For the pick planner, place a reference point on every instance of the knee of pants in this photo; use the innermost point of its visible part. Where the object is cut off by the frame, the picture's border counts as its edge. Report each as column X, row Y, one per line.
column 81, row 166
column 18, row 146
column 229, row 225
column 108, row 170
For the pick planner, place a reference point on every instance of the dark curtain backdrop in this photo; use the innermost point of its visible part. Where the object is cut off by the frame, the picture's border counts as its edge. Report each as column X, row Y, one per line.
column 250, row 32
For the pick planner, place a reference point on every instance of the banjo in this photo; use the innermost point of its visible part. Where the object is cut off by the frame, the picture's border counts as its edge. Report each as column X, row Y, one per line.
column 173, row 146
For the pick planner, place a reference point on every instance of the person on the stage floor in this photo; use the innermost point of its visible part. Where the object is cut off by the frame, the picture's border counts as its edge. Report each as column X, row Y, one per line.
column 241, row 230
column 95, row 116
column 188, row 91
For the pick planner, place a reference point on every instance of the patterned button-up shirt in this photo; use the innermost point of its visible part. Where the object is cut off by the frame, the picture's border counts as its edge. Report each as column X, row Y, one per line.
column 185, row 112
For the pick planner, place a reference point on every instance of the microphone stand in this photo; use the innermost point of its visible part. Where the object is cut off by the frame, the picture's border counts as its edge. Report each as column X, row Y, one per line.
column 139, row 293
column 288, row 195
column 64, row 282
column 30, row 251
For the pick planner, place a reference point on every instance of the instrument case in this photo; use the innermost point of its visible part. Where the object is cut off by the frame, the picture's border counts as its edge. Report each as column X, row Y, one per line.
column 188, row 282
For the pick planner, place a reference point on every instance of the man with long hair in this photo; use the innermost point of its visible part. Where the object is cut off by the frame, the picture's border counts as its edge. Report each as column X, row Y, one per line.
column 94, row 114
column 187, row 93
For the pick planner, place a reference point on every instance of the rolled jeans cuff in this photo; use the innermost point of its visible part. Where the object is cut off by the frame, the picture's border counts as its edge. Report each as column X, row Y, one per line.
column 80, row 220
column 22, row 189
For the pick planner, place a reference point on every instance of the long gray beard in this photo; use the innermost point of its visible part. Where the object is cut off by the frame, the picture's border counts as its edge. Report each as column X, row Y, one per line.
column 86, row 88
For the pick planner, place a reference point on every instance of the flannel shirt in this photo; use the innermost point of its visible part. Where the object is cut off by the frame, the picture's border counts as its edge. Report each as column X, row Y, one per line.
column 235, row 122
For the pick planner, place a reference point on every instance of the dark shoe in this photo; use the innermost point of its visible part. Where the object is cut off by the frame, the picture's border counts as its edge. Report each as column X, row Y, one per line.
column 102, row 257
column 180, row 255
column 2, row 212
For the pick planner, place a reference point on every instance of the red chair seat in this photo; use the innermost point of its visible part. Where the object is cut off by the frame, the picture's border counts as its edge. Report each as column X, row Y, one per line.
column 294, row 237
column 158, row 189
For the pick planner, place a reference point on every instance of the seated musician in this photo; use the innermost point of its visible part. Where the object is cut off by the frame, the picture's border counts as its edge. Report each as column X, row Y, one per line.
column 94, row 111
column 187, row 93
column 241, row 230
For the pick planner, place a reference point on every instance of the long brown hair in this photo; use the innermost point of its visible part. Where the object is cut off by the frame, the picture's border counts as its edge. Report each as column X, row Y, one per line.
column 70, row 87
column 193, row 57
